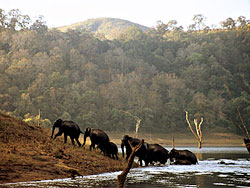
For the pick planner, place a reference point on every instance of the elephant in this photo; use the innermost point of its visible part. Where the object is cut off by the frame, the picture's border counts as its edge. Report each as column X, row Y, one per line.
column 142, row 153
column 102, row 147
column 157, row 153
column 110, row 149
column 97, row 136
column 181, row 156
column 69, row 128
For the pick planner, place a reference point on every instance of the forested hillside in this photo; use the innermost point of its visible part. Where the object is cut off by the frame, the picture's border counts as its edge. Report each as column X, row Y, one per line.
column 156, row 75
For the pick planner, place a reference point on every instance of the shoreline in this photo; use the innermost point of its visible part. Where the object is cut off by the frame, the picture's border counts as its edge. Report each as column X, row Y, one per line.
column 84, row 176
column 185, row 139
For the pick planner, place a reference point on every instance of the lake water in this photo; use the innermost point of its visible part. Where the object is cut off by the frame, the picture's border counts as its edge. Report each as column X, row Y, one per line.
column 218, row 167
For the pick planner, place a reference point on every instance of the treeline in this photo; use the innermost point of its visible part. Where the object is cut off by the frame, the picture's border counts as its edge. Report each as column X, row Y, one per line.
column 155, row 75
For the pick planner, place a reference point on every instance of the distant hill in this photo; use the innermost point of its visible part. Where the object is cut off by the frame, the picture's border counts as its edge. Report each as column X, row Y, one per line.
column 111, row 28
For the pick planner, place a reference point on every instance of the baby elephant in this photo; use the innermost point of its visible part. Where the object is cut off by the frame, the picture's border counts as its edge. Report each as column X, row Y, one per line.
column 110, row 149
column 182, row 157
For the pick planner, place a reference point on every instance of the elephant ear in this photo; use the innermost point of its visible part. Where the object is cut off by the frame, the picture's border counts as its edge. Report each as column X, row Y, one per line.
column 126, row 137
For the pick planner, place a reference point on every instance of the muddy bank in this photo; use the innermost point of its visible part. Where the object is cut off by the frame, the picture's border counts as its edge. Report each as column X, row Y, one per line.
column 27, row 154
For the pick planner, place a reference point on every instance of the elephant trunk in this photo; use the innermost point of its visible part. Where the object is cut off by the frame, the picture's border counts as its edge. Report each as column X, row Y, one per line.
column 53, row 131
column 122, row 146
column 84, row 141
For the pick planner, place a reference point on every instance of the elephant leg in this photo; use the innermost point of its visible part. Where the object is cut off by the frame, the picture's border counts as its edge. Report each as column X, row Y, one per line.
column 145, row 161
column 128, row 154
column 109, row 155
column 72, row 140
column 105, row 153
column 140, row 160
column 92, row 146
column 65, row 138
column 115, row 156
column 79, row 144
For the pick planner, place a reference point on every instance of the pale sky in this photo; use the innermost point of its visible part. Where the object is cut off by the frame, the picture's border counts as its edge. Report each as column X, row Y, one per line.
column 144, row 12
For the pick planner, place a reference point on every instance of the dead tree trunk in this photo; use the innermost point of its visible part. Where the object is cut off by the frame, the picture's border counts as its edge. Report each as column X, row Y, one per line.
column 173, row 141
column 38, row 118
column 122, row 177
column 138, row 122
column 198, row 134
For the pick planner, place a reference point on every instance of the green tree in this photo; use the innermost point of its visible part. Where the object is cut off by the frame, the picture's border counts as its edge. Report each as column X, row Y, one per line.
column 199, row 22
column 229, row 23
column 39, row 25
column 17, row 21
column 3, row 19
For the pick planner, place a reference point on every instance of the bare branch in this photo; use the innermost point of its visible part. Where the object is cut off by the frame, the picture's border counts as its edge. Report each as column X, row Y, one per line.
column 138, row 121
column 237, row 108
column 198, row 134
column 190, row 125
column 200, row 128
column 196, row 127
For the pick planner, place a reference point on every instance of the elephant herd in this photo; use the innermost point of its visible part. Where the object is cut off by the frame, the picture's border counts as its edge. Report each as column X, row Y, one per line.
column 155, row 153
column 97, row 137
column 149, row 153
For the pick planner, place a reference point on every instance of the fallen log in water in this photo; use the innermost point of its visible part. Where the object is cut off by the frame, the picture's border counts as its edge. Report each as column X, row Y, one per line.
column 122, row 177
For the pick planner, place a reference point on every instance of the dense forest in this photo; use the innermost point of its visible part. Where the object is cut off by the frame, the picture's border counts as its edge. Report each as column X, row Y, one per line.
column 156, row 74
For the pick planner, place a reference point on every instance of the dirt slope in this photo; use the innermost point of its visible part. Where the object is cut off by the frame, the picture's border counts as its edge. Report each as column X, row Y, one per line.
column 27, row 153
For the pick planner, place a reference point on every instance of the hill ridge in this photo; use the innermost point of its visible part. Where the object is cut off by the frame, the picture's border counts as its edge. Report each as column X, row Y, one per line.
column 111, row 28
